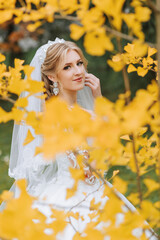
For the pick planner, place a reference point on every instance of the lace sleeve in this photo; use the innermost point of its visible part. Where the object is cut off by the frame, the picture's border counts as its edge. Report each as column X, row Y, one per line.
column 26, row 165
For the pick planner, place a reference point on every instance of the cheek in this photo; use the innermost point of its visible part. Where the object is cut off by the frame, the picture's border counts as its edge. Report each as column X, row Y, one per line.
column 65, row 79
column 83, row 70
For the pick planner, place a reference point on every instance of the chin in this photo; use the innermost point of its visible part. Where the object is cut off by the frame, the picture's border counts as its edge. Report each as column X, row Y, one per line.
column 80, row 87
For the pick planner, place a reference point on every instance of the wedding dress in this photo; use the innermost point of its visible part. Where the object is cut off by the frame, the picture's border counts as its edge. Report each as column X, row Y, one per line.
column 49, row 180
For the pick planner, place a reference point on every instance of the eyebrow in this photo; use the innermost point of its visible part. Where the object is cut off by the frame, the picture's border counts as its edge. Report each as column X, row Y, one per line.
column 71, row 63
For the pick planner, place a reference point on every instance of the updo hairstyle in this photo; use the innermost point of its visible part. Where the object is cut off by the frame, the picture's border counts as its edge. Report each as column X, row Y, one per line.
column 54, row 61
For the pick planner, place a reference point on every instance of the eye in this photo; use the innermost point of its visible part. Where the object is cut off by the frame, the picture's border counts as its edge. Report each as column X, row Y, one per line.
column 80, row 63
column 66, row 67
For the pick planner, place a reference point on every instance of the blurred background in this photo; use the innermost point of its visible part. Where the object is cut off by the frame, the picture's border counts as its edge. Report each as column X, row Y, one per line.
column 17, row 42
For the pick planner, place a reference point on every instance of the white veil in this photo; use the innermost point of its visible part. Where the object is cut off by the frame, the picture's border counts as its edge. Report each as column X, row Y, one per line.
column 23, row 163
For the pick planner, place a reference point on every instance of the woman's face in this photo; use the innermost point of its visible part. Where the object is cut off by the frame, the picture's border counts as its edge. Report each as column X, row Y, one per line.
column 71, row 76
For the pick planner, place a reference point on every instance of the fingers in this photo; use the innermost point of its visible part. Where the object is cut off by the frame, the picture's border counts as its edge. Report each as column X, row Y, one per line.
column 91, row 78
column 94, row 83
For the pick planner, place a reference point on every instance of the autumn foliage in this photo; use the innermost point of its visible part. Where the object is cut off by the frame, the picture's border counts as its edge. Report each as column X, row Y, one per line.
column 131, row 129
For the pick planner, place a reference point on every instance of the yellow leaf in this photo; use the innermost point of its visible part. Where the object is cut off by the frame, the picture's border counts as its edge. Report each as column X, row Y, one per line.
column 84, row 4
column 129, row 19
column 18, row 64
column 141, row 71
column 63, row 133
column 77, row 236
column 157, row 205
column 151, row 51
column 136, row 3
column 131, row 68
column 29, row 138
column 133, row 24
column 149, row 212
column 28, row 70
column 2, row 57
column 120, row 185
column 94, row 205
column 17, row 218
column 141, row 131
column 92, row 20
column 99, row 156
column 117, row 66
column 151, row 184
column 32, row 27
column 70, row 193
column 113, row 9
column 38, row 150
column 7, row 4
column 125, row 137
column 93, row 234
column 17, row 114
column 35, row 86
column 6, row 195
column 97, row 42
column 115, row 172
column 76, row 31
column 21, row 102
column 5, row 15
column 33, row 119
column 68, row 6
column 36, row 2
column 142, row 13
column 77, row 174
column 135, row 114
column 43, row 96
column 58, row 224
column 136, row 49
column 134, row 198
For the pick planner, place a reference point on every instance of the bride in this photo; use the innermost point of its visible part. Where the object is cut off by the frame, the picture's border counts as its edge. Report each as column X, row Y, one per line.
column 62, row 66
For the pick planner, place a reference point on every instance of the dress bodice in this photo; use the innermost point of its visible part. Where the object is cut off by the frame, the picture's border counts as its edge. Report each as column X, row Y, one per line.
column 64, row 163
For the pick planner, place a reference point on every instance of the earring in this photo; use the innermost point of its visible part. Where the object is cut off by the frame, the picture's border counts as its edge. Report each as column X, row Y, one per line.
column 55, row 88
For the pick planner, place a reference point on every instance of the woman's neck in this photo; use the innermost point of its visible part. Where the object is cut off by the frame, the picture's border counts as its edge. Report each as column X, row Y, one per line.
column 69, row 97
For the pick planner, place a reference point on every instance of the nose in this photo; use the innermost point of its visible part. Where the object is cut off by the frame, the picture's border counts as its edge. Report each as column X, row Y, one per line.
column 77, row 70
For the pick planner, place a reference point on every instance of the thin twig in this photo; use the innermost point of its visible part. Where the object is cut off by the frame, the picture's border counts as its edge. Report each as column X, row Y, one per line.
column 45, row 203
column 8, row 99
column 125, row 36
column 66, row 17
column 137, row 170
column 72, row 224
column 106, row 183
column 22, row 3
column 86, row 198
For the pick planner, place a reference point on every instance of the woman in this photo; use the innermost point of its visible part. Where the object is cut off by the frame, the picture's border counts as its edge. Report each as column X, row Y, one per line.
column 62, row 67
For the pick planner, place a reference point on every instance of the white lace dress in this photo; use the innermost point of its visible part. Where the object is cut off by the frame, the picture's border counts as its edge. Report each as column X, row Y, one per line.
column 50, row 181
column 54, row 194
column 51, row 191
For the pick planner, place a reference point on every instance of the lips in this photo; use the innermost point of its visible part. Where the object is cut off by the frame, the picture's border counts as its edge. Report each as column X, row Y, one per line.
column 78, row 79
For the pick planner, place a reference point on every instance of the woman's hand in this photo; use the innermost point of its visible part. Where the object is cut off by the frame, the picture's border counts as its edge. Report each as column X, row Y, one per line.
column 94, row 83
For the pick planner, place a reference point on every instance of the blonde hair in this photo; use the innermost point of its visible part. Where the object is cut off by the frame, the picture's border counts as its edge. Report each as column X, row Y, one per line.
column 55, row 56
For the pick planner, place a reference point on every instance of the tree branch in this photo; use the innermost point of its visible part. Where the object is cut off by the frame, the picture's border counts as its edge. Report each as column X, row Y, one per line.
column 107, row 28
column 125, row 36
column 158, row 75
column 153, row 6
column 66, row 17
